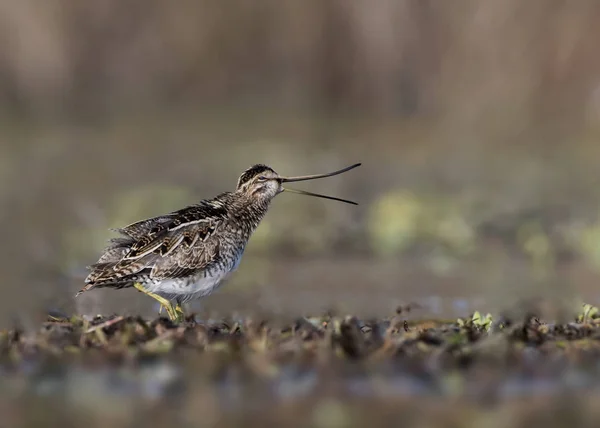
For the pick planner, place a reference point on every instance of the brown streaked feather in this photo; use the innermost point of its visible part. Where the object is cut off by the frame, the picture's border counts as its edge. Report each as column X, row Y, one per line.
column 103, row 272
column 116, row 250
column 205, row 210
column 142, row 228
column 182, row 263
column 120, row 242
column 112, row 255
column 190, row 242
column 168, row 239
column 183, row 234
column 172, row 243
column 97, row 271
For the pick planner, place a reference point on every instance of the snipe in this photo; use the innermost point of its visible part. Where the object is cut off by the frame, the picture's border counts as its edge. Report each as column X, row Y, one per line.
column 184, row 255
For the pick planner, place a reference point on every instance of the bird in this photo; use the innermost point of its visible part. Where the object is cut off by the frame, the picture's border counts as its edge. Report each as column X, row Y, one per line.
column 186, row 254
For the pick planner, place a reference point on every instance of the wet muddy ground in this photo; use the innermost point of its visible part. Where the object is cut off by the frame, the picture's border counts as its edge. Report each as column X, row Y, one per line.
column 333, row 370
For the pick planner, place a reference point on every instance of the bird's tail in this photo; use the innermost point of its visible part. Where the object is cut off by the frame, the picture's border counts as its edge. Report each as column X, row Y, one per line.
column 84, row 289
column 117, row 284
column 96, row 277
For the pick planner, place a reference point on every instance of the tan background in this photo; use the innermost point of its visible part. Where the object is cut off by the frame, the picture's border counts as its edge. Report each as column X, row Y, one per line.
column 477, row 124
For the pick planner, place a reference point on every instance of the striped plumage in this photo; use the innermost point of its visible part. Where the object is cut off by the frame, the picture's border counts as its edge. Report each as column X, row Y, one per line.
column 186, row 254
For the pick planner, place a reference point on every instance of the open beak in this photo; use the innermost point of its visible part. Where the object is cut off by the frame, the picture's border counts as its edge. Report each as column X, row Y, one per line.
column 313, row 177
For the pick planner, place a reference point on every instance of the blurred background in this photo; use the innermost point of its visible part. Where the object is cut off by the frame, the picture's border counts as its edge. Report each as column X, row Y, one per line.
column 476, row 122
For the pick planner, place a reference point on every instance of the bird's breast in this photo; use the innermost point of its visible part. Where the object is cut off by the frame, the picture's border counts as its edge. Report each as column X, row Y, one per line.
column 237, row 258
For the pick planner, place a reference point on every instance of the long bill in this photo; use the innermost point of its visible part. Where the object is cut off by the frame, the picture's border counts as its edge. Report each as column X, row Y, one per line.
column 313, row 177
column 303, row 192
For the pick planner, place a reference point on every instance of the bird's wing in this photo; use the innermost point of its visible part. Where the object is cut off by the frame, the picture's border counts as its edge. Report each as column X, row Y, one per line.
column 168, row 246
column 185, row 260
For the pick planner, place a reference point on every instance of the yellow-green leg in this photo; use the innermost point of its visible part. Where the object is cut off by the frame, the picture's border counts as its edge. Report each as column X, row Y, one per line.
column 171, row 311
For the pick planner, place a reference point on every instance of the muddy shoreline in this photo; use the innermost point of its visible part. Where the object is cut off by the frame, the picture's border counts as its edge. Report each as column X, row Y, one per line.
column 327, row 370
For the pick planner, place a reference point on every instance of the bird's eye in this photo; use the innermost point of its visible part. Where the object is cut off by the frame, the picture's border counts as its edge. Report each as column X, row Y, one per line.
column 262, row 178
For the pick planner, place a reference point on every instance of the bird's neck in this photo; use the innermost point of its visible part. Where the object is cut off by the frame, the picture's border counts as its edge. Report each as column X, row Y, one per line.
column 248, row 211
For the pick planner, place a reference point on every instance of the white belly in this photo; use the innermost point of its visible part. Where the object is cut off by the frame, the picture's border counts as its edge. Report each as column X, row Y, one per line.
column 191, row 288
column 184, row 290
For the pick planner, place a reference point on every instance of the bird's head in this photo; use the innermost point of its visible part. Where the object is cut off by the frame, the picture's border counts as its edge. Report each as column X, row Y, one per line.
column 262, row 183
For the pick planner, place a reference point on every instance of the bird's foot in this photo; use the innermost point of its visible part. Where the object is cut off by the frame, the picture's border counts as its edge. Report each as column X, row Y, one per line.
column 171, row 311
column 179, row 312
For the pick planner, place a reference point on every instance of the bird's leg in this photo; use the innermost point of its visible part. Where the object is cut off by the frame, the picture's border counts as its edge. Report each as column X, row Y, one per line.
column 164, row 302
column 160, row 309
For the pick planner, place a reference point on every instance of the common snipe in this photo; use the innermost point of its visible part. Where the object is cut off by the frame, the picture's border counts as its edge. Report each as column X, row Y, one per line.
column 184, row 255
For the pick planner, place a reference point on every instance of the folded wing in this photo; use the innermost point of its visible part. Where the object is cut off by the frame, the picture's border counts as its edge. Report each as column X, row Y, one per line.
column 171, row 246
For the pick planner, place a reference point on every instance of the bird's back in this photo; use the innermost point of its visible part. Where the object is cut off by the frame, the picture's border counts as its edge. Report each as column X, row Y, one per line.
column 166, row 247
